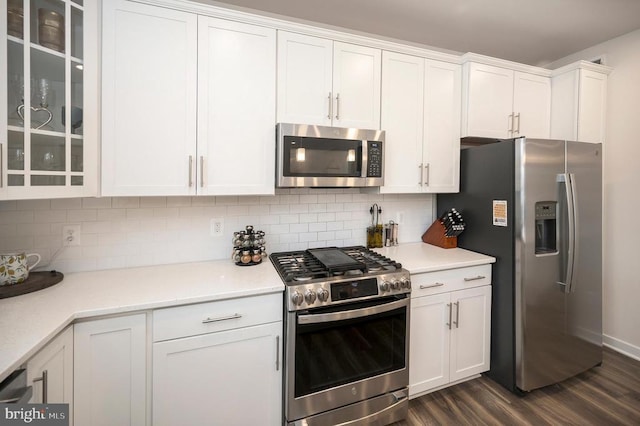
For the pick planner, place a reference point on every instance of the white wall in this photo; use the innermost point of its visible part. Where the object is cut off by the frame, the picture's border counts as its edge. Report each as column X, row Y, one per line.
column 139, row 231
column 621, row 238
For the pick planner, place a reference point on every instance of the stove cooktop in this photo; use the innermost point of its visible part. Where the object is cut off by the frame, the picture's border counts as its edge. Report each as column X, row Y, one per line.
column 320, row 264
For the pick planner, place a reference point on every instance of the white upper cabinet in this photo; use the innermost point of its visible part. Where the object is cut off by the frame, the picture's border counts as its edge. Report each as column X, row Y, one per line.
column 323, row 82
column 579, row 102
column 195, row 95
column 48, row 104
column 499, row 102
column 236, row 108
column 421, row 117
column 149, row 78
column 305, row 79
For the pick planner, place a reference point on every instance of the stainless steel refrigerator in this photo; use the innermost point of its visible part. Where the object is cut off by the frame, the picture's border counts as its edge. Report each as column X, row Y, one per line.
column 536, row 205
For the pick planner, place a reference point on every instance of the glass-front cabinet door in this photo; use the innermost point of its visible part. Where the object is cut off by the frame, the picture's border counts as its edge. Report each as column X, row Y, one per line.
column 45, row 148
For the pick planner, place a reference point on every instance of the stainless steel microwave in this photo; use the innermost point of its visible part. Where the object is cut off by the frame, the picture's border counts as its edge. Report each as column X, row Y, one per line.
column 325, row 157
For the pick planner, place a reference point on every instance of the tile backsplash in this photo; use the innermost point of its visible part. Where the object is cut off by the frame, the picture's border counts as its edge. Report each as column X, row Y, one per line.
column 139, row 231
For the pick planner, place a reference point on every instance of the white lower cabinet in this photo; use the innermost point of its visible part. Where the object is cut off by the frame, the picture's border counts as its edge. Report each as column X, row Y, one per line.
column 230, row 374
column 50, row 372
column 110, row 377
column 450, row 327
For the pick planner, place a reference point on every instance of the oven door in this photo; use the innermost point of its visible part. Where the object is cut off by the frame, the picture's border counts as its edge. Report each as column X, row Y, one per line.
column 344, row 354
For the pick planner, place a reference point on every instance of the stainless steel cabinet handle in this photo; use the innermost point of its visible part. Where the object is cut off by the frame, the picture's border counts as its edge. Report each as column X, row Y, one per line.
column 457, row 321
column 510, row 118
column 338, row 106
column 229, row 317
column 45, row 384
column 330, row 106
column 421, row 173
column 277, row 353
column 422, row 287
column 479, row 277
column 517, row 129
column 190, row 171
column 201, row 171
column 427, row 181
column 449, row 323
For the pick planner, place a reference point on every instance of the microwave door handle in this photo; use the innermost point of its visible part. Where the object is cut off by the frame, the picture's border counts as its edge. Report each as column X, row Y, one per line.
column 356, row 313
column 365, row 158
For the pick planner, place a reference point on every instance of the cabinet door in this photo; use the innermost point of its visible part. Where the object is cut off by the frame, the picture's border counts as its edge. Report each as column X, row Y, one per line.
column 429, row 348
column 149, row 100
column 236, row 108
column 592, row 102
column 56, row 359
column 470, row 332
column 402, row 119
column 488, row 101
column 305, row 69
column 532, row 105
column 442, row 109
column 110, row 371
column 227, row 378
column 356, row 86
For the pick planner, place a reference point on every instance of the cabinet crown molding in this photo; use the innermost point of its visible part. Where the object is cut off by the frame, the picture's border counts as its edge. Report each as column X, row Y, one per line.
column 582, row 65
column 496, row 62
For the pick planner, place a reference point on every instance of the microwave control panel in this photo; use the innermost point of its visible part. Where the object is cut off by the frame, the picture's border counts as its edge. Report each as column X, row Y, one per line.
column 374, row 159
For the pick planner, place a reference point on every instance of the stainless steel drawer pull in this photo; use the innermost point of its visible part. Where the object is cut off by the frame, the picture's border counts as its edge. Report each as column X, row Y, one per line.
column 479, row 277
column 45, row 385
column 422, row 287
column 230, row 317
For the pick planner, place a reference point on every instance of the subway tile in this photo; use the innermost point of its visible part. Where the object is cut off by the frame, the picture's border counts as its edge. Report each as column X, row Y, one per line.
column 317, row 227
column 18, row 243
column 335, row 226
column 299, row 208
column 343, row 215
column 21, row 216
column 289, row 199
column 335, row 207
column 6, row 206
column 344, row 234
column 111, row 262
column 299, row 227
column 111, row 214
column 317, row 208
column 279, row 208
column 153, row 202
column 48, row 216
column 182, row 201
column 205, row 201
column 329, row 235
column 309, row 198
column 269, row 220
column 259, row 210
column 269, row 199
column 360, row 198
column 8, row 230
column 83, row 215
column 125, row 202
column 300, row 191
column 96, row 203
column 226, row 200
column 308, row 217
column 344, row 198
column 98, row 227
column 278, row 229
column 33, row 205
column 278, row 247
column 289, row 218
column 172, row 212
column 288, row 238
column 299, row 246
column 32, row 229
column 326, row 198
column 326, row 217
column 248, row 200
column 88, row 239
column 112, row 239
column 140, row 213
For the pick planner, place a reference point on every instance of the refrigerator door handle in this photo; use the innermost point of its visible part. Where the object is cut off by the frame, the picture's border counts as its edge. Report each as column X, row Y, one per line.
column 566, row 178
column 574, row 235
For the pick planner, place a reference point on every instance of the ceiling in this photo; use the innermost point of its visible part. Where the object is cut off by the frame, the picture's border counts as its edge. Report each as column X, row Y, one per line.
column 534, row 32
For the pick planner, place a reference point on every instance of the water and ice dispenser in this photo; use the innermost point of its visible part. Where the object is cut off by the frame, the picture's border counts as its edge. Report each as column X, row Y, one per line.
column 546, row 225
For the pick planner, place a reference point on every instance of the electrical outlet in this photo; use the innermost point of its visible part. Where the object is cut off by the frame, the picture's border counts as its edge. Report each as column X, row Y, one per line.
column 70, row 235
column 217, row 226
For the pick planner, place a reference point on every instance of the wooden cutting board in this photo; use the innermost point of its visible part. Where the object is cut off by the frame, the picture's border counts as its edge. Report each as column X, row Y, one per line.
column 36, row 281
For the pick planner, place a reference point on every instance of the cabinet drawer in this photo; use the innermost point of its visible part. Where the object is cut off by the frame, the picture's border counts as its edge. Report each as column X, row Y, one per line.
column 450, row 280
column 201, row 318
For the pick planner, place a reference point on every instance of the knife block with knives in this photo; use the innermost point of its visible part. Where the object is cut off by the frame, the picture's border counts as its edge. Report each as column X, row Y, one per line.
column 444, row 231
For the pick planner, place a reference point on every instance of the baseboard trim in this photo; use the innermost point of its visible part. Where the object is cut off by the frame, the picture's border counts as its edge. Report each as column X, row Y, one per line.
column 623, row 347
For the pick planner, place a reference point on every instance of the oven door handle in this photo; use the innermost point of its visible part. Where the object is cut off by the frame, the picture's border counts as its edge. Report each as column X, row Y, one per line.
column 355, row 313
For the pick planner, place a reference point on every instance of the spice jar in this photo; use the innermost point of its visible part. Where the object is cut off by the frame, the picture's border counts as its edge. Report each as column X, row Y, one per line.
column 246, row 257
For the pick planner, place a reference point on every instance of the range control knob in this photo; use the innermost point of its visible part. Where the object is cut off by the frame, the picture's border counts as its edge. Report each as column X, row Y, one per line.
column 310, row 296
column 384, row 287
column 405, row 283
column 323, row 295
column 395, row 284
column 296, row 298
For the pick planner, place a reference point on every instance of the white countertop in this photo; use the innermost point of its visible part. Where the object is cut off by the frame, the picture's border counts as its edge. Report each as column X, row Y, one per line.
column 422, row 257
column 29, row 321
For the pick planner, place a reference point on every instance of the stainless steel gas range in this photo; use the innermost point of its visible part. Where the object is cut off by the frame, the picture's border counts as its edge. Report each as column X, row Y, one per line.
column 346, row 336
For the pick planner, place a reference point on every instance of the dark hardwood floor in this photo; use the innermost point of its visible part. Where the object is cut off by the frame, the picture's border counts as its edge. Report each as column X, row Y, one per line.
column 603, row 396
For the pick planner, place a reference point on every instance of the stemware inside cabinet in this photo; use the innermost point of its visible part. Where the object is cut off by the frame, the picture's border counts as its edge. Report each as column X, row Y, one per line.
column 45, row 144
